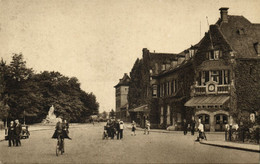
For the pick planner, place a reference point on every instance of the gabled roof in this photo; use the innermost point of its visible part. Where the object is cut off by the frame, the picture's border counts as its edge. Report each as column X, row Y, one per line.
column 124, row 81
column 214, row 40
column 241, row 35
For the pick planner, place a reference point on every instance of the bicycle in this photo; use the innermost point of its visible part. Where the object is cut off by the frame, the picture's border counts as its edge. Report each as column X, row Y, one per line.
column 60, row 146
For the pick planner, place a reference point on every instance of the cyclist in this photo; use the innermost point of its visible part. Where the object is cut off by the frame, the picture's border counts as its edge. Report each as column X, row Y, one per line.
column 59, row 133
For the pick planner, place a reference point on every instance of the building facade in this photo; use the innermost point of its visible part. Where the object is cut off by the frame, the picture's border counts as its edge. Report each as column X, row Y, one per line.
column 216, row 80
column 121, row 94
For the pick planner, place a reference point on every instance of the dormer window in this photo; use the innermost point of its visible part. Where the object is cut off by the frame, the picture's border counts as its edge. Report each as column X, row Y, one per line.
column 214, row 54
column 191, row 52
column 163, row 67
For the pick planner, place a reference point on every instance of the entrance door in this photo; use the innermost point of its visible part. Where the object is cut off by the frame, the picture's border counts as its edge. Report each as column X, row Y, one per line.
column 221, row 121
column 205, row 120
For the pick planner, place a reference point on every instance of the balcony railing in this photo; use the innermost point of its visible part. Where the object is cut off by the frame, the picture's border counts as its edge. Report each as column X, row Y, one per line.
column 223, row 89
column 200, row 90
column 220, row 89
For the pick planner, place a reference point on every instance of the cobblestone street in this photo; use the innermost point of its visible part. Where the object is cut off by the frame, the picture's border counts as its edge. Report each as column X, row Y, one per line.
column 88, row 147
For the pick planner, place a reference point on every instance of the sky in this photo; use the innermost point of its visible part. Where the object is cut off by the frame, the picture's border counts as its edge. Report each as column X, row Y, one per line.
column 98, row 41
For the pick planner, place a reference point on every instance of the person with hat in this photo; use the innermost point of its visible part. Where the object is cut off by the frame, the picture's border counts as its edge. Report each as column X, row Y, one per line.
column 11, row 134
column 18, row 131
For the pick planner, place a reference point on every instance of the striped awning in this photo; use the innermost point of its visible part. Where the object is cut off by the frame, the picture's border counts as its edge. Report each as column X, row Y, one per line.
column 143, row 108
column 207, row 100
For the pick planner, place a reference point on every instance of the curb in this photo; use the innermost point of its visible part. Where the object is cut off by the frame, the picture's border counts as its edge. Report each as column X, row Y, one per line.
column 231, row 147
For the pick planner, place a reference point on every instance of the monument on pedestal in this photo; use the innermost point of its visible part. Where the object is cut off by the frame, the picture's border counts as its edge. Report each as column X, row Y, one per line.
column 51, row 117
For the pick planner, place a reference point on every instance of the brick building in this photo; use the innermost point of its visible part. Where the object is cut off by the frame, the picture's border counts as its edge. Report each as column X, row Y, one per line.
column 217, row 80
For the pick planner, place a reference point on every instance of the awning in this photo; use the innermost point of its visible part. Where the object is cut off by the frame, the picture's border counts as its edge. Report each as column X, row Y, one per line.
column 207, row 100
column 143, row 108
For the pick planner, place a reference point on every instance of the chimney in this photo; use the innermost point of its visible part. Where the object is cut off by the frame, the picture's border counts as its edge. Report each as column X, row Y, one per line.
column 224, row 14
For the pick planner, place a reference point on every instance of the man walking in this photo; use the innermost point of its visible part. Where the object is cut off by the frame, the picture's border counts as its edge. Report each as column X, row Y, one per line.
column 185, row 126
column 11, row 134
column 117, row 126
column 192, row 126
column 18, row 131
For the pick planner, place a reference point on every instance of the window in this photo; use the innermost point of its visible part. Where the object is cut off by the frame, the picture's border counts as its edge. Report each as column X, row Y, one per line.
column 205, row 77
column 178, row 117
column 214, row 55
column 172, row 87
column 161, row 118
column 154, row 91
column 215, row 76
column 175, row 86
column 167, row 89
column 163, row 67
column 220, row 76
column 191, row 52
column 118, row 91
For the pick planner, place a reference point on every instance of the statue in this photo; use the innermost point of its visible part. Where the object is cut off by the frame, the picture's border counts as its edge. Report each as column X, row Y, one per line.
column 51, row 117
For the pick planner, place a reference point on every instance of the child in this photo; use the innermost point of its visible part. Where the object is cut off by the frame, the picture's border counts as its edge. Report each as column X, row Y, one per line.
column 133, row 128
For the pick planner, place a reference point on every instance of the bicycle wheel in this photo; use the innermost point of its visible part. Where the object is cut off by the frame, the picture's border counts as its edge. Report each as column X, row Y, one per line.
column 58, row 147
column 62, row 147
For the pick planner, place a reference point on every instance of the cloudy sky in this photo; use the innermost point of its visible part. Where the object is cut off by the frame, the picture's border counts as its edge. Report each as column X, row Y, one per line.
column 98, row 41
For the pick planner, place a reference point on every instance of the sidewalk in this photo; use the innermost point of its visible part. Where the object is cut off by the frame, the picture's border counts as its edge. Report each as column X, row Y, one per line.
column 232, row 145
column 216, row 139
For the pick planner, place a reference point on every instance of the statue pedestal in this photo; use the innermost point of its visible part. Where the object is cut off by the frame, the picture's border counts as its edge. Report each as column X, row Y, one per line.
column 51, row 117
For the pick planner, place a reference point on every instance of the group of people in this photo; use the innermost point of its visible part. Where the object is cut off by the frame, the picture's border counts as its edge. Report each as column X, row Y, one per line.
column 146, row 127
column 14, row 133
column 187, row 126
column 114, row 127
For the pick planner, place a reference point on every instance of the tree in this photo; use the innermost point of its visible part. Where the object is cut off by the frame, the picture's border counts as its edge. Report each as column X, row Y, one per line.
column 31, row 95
column 112, row 113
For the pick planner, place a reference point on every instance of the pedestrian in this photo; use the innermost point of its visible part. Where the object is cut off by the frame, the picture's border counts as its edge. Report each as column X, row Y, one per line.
column 147, row 127
column 65, row 127
column 18, row 131
column 108, row 128
column 192, row 126
column 117, row 127
column 11, row 134
column 202, row 134
column 121, row 126
column 133, row 128
column 185, row 127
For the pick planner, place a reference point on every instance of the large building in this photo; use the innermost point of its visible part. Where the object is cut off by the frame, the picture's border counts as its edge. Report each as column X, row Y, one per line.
column 216, row 80
column 210, row 84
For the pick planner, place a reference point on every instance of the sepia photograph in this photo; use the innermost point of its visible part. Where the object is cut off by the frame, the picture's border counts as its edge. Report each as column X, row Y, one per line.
column 129, row 81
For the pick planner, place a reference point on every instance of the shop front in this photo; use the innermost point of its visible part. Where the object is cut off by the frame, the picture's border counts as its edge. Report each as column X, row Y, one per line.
column 211, row 110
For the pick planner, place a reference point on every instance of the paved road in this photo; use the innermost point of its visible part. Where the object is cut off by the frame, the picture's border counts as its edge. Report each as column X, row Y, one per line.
column 88, row 147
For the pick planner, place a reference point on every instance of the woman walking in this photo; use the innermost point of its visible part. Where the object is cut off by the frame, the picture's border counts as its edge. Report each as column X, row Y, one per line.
column 133, row 128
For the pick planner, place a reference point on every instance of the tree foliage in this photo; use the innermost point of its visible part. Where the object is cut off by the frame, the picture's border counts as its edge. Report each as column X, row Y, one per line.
column 31, row 94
